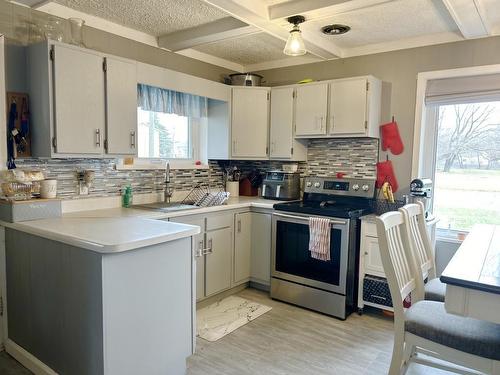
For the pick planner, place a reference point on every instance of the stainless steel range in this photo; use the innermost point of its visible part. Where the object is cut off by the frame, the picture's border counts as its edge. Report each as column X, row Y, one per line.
column 325, row 286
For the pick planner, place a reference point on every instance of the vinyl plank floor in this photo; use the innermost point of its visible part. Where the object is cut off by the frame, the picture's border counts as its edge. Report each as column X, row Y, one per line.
column 290, row 340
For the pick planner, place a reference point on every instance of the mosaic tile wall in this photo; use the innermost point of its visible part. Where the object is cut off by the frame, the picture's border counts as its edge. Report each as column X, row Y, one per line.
column 355, row 157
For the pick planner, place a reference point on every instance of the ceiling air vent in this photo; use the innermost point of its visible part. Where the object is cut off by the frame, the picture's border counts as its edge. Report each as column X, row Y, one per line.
column 335, row 29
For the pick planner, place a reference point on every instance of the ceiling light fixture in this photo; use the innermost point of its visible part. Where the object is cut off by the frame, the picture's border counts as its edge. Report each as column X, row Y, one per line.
column 295, row 44
column 335, row 29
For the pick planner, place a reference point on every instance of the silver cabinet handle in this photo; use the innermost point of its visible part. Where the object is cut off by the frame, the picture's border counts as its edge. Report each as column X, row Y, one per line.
column 199, row 252
column 209, row 249
column 98, row 137
column 132, row 139
column 239, row 226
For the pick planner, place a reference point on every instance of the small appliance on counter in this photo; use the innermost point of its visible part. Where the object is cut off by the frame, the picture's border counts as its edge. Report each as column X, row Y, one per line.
column 421, row 191
column 281, row 185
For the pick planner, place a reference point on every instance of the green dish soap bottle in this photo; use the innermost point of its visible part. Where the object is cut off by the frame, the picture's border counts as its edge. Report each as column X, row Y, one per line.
column 127, row 197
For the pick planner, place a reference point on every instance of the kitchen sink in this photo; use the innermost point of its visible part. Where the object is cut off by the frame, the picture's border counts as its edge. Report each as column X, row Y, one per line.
column 167, row 207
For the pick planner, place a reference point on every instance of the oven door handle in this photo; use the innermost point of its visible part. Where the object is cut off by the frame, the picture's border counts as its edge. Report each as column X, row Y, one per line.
column 305, row 218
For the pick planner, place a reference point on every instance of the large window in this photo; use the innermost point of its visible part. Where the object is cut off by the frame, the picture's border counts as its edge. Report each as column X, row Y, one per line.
column 467, row 165
column 164, row 135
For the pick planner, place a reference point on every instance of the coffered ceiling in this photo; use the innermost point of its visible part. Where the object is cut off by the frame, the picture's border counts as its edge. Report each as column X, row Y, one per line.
column 246, row 35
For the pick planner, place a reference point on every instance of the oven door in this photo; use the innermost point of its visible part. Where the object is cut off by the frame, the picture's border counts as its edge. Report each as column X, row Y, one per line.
column 291, row 258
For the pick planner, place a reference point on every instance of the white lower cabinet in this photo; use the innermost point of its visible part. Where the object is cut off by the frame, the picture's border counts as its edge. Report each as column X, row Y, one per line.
column 242, row 247
column 199, row 247
column 260, row 269
column 231, row 249
column 218, row 261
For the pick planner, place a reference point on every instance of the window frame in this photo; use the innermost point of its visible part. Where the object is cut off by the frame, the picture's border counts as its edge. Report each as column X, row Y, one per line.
column 425, row 131
column 196, row 150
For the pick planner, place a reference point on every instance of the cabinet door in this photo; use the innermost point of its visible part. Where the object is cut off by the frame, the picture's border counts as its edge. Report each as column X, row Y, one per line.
column 311, row 109
column 199, row 245
column 250, row 122
column 242, row 247
column 261, row 248
column 281, row 143
column 373, row 261
column 348, row 107
column 79, row 102
column 121, row 107
column 218, row 261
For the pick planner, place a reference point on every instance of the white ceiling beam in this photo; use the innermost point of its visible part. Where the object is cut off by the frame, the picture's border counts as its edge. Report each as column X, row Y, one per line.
column 318, row 8
column 35, row 4
column 254, row 13
column 225, row 28
column 468, row 16
column 214, row 60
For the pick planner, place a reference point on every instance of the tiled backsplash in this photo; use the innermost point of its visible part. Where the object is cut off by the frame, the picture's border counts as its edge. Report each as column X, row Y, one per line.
column 355, row 157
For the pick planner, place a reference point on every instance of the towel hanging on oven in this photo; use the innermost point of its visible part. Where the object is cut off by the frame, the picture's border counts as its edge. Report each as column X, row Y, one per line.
column 319, row 238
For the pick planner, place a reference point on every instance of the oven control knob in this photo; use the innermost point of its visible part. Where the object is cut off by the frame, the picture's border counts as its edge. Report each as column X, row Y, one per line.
column 317, row 185
column 365, row 187
column 309, row 183
column 355, row 187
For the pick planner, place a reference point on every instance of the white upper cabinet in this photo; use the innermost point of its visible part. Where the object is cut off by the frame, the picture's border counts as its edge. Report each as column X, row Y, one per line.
column 311, row 109
column 77, row 107
column 79, row 116
column 250, row 122
column 283, row 145
column 355, row 107
column 121, row 106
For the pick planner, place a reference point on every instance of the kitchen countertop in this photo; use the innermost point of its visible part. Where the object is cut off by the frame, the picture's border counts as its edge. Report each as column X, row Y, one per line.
column 135, row 211
column 121, row 229
column 106, row 234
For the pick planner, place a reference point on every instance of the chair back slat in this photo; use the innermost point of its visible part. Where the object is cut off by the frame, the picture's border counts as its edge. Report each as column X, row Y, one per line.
column 419, row 239
column 400, row 268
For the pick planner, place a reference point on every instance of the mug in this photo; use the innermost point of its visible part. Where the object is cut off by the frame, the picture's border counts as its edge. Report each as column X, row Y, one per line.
column 48, row 189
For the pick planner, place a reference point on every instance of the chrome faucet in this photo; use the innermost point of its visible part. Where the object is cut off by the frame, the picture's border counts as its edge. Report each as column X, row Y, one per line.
column 168, row 190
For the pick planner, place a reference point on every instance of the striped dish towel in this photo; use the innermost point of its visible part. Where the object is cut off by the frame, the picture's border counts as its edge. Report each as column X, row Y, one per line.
column 319, row 238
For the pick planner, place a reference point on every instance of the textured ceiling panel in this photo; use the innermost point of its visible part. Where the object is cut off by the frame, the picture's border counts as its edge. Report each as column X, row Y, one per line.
column 491, row 10
column 155, row 17
column 388, row 22
column 246, row 50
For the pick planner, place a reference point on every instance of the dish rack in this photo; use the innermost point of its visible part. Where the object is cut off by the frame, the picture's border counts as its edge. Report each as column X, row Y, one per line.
column 203, row 196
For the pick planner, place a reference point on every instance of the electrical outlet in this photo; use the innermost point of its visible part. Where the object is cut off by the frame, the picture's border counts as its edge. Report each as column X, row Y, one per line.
column 84, row 189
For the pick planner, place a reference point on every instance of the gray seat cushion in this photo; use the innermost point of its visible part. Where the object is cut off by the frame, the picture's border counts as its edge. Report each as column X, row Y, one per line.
column 435, row 290
column 429, row 320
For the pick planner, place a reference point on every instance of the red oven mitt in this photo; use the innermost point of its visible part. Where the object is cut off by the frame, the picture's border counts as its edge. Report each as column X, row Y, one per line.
column 385, row 172
column 390, row 138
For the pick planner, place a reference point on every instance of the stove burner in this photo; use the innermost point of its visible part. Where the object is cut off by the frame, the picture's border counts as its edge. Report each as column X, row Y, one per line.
column 327, row 203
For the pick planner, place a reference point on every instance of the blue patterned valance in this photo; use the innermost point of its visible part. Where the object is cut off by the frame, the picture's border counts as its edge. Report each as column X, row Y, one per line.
column 150, row 98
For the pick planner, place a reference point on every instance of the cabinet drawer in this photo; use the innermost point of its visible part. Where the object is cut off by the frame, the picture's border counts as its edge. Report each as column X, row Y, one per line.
column 219, row 221
column 369, row 229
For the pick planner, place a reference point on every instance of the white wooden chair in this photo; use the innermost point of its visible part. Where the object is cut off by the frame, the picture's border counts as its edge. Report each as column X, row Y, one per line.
column 467, row 345
column 422, row 250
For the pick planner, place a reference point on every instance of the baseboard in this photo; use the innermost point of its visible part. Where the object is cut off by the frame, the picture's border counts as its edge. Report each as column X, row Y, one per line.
column 27, row 359
column 217, row 297
column 260, row 286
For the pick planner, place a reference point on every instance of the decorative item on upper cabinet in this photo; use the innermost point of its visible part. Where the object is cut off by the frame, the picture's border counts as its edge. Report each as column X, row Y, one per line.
column 53, row 29
column 76, row 25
